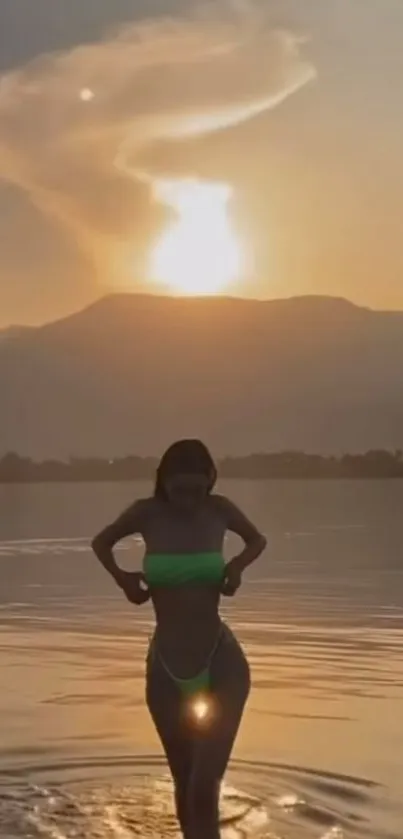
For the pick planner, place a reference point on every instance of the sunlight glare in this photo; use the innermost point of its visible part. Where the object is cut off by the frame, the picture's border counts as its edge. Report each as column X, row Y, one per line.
column 86, row 94
column 200, row 709
column 198, row 253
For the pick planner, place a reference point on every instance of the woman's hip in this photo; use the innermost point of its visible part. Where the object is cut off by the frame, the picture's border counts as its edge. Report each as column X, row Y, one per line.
column 224, row 671
column 229, row 670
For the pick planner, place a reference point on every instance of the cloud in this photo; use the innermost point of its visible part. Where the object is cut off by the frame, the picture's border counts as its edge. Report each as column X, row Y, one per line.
column 78, row 129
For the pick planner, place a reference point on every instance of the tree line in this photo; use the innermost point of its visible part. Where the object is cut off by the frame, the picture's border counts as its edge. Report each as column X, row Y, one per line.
column 15, row 468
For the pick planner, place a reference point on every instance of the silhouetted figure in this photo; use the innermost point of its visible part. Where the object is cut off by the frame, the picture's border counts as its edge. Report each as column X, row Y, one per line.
column 197, row 675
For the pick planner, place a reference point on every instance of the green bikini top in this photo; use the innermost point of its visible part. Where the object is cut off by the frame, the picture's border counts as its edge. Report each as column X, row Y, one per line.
column 168, row 570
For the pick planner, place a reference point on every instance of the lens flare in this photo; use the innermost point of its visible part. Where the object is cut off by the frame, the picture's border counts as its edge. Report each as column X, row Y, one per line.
column 200, row 709
column 86, row 94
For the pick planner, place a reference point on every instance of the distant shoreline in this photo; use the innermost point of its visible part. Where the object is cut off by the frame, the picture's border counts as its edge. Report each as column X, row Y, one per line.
column 313, row 479
column 373, row 465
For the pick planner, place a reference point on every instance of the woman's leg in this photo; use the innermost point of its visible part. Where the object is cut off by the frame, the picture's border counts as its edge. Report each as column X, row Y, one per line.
column 230, row 685
column 165, row 704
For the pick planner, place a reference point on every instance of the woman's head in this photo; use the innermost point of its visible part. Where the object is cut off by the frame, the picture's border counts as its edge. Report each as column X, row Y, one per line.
column 186, row 473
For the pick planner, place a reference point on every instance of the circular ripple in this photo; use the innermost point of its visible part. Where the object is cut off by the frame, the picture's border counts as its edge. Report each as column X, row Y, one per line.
column 116, row 812
column 77, row 798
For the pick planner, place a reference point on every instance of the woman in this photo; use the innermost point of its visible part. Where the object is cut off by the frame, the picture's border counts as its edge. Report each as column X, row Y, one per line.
column 193, row 655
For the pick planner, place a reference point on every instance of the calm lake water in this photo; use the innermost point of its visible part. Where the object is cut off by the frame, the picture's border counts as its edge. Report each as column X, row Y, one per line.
column 320, row 752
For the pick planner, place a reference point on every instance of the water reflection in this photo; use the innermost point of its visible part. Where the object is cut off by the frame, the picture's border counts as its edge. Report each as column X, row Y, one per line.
column 321, row 617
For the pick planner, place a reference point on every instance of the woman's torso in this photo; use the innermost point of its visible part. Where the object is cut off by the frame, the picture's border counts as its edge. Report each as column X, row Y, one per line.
column 169, row 529
column 186, row 610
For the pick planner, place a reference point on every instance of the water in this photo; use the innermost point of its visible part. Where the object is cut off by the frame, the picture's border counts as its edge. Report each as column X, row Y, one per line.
column 320, row 616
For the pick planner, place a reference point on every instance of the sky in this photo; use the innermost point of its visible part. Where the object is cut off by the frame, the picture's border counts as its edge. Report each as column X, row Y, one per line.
column 297, row 104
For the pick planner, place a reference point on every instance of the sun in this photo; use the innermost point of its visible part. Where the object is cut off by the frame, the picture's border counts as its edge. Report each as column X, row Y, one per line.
column 199, row 252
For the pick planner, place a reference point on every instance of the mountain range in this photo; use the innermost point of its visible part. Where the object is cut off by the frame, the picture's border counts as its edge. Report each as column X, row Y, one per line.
column 130, row 373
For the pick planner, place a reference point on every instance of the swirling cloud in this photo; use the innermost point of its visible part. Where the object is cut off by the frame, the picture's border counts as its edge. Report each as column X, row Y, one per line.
column 74, row 125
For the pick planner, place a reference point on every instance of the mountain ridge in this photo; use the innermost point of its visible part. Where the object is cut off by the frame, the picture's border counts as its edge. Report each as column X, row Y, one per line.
column 140, row 298
column 132, row 372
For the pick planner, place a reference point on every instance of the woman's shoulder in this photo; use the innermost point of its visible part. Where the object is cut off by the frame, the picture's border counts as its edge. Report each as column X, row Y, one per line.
column 233, row 517
column 139, row 510
column 221, row 504
column 144, row 505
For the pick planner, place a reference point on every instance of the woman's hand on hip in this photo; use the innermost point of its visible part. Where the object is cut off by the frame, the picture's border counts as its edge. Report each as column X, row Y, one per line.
column 232, row 578
column 134, row 586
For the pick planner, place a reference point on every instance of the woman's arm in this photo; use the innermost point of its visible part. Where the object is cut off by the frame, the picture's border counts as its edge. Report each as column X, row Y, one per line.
column 255, row 543
column 128, row 523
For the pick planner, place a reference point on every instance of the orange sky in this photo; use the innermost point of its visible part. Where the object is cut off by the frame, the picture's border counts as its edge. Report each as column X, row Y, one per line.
column 309, row 135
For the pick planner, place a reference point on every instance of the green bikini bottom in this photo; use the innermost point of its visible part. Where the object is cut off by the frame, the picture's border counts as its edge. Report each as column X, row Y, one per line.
column 198, row 684
column 195, row 685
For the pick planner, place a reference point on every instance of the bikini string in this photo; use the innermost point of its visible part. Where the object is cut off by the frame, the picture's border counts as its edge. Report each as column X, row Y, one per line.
column 155, row 652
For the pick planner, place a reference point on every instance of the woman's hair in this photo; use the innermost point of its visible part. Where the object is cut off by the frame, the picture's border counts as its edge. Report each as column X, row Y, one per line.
column 188, row 456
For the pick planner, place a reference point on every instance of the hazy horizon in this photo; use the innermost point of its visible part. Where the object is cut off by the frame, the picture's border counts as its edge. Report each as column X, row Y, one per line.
column 319, row 374
column 4, row 327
